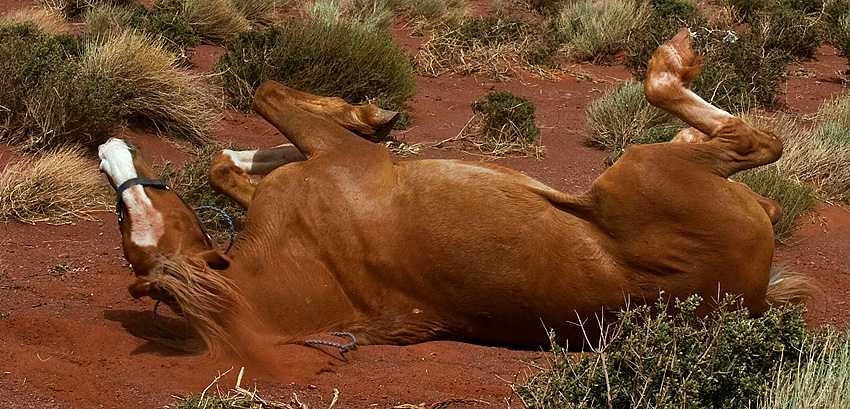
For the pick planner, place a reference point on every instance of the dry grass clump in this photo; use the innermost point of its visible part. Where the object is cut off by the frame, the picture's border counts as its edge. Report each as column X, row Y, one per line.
column 157, row 92
column 594, row 30
column 621, row 117
column 239, row 397
column 812, row 155
column 57, row 187
column 795, row 198
column 368, row 15
column 260, row 11
column 216, row 21
column 47, row 20
column 836, row 111
column 491, row 46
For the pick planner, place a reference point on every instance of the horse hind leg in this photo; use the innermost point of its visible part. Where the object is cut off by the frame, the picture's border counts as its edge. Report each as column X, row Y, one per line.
column 230, row 172
column 738, row 145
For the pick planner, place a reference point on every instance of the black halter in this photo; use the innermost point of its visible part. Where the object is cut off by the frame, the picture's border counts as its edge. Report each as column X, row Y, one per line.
column 145, row 182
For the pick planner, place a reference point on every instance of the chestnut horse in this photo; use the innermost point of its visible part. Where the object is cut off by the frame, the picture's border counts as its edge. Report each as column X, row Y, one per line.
column 339, row 237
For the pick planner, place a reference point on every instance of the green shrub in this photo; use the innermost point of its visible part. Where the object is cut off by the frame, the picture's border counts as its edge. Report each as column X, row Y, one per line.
column 622, row 117
column 431, row 13
column 343, row 61
column 48, row 99
column 794, row 197
column 594, row 30
column 787, row 30
column 651, row 358
column 837, row 19
column 506, row 125
column 492, row 46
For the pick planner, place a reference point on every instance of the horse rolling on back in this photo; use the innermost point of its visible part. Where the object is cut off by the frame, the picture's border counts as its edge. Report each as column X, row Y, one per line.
column 340, row 238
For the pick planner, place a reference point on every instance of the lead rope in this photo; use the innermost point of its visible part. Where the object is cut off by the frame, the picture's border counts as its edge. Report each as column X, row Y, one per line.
column 229, row 223
column 343, row 348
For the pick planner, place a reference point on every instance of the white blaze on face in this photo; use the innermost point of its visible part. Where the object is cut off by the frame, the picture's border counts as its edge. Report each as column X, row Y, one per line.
column 117, row 162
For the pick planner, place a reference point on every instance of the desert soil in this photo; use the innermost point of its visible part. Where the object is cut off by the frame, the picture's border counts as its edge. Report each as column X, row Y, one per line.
column 72, row 337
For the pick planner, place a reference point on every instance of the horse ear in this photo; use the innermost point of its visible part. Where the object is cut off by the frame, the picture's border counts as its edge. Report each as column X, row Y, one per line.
column 215, row 259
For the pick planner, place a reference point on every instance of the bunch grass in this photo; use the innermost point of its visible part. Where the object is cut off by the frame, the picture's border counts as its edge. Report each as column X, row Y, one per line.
column 795, row 197
column 820, row 380
column 622, row 117
column 57, row 187
column 155, row 90
column 595, row 30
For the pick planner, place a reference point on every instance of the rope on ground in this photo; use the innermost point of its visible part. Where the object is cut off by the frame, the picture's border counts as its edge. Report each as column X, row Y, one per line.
column 343, row 348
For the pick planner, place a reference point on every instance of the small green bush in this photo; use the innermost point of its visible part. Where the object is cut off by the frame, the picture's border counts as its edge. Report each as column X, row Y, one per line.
column 168, row 20
column 837, row 19
column 594, row 30
column 505, row 124
column 794, row 197
column 654, row 359
column 787, row 30
column 343, row 61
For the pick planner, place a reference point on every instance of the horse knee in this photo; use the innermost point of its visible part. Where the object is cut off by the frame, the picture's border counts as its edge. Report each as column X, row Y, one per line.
column 231, row 180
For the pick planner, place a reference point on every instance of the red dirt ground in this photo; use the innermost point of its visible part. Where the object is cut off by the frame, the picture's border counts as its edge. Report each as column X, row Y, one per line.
column 72, row 337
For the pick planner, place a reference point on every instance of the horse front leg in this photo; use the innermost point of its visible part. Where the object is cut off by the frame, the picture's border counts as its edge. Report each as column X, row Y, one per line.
column 230, row 172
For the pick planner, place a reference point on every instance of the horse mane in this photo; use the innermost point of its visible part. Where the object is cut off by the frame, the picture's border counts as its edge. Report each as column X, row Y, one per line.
column 208, row 300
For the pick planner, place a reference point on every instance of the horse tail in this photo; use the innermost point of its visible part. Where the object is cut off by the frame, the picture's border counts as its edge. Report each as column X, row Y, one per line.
column 207, row 299
column 789, row 287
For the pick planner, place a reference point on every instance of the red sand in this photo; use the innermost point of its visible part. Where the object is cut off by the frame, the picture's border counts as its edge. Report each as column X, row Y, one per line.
column 75, row 338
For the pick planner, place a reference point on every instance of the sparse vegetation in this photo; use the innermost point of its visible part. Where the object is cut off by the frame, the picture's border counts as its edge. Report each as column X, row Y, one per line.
column 58, row 89
column 820, row 379
column 594, row 30
column 621, row 117
column 491, row 46
column 48, row 99
column 343, row 60
column 192, row 184
column 794, row 197
column 504, row 124
column 651, row 358
column 57, row 187
column 816, row 156
column 837, row 22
